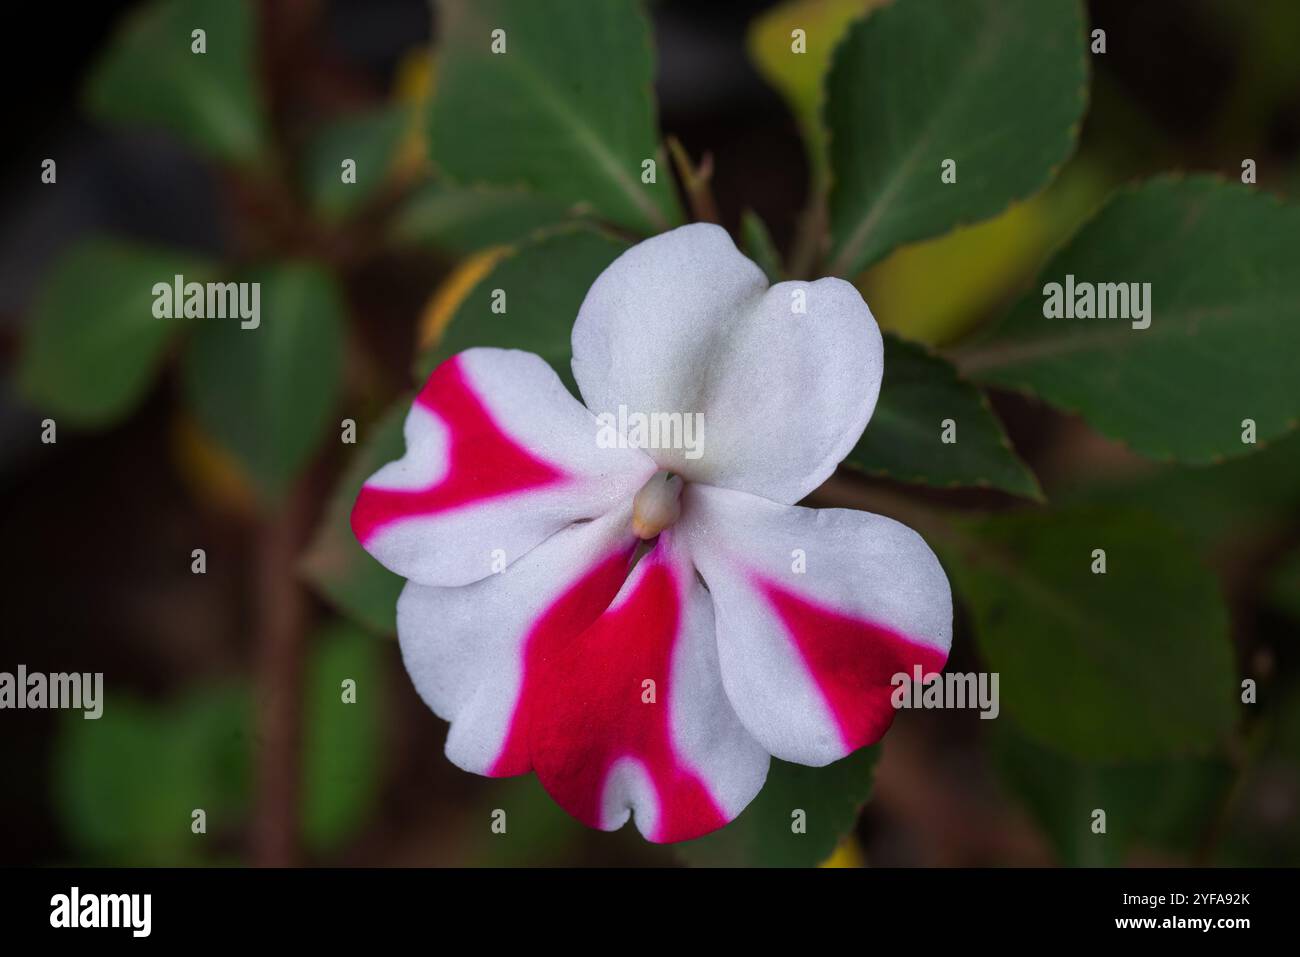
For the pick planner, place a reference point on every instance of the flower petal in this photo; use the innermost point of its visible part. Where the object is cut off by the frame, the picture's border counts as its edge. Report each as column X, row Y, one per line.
column 473, row 652
column 498, row 457
column 683, row 323
column 817, row 610
column 607, row 744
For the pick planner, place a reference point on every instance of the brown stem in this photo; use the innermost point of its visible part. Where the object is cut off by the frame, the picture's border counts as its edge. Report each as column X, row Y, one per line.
column 807, row 249
column 697, row 182
column 281, row 609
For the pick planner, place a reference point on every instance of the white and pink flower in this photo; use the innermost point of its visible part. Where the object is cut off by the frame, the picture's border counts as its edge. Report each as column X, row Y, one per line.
column 642, row 628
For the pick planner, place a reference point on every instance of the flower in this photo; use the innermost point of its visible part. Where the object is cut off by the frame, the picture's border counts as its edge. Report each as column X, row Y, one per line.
column 643, row 627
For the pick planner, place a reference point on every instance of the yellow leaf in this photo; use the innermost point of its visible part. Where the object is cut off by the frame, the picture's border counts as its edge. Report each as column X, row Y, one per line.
column 414, row 84
column 446, row 299
column 937, row 290
column 799, row 76
column 847, row 854
column 213, row 474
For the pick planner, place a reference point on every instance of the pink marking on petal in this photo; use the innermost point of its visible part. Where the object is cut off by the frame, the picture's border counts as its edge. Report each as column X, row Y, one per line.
column 483, row 462
column 852, row 660
column 560, row 623
column 587, row 711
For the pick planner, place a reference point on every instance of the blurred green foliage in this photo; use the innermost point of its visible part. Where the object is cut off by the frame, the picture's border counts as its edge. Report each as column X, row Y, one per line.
column 370, row 140
column 342, row 758
column 1131, row 662
column 1216, row 507
column 1259, row 825
column 462, row 219
column 1162, row 805
column 126, row 785
column 544, row 282
column 1284, row 586
column 796, row 820
column 267, row 394
column 152, row 74
column 95, row 343
column 756, row 243
column 359, row 587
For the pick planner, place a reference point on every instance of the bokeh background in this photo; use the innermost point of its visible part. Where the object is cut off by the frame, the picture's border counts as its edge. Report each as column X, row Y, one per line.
column 222, row 688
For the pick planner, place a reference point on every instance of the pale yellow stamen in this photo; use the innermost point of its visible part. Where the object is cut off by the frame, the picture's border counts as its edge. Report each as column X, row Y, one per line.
column 657, row 505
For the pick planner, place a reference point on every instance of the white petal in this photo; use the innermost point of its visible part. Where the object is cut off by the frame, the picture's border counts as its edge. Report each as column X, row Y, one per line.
column 785, row 378
column 817, row 611
column 475, row 653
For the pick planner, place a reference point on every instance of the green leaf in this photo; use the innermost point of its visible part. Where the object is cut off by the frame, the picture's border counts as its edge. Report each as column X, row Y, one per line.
column 126, row 784
column 1284, row 585
column 1165, row 805
column 1261, row 827
column 342, row 745
column 266, row 394
column 756, row 243
column 763, row 834
column 371, row 141
column 800, row 75
column 149, row 76
column 335, row 563
column 566, row 110
column 1218, row 507
column 463, row 219
column 985, row 266
column 94, row 343
column 1131, row 664
column 1224, row 322
column 538, row 832
column 998, row 86
column 544, row 283
column 903, row 440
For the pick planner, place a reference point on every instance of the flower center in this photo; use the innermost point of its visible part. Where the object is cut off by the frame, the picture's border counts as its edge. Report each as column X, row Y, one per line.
column 657, row 505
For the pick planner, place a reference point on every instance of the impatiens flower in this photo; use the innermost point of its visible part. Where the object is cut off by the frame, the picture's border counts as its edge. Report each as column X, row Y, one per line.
column 643, row 627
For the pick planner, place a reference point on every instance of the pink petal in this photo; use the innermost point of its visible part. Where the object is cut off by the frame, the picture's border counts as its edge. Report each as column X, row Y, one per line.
column 499, row 457
column 852, row 660
column 682, row 764
column 817, row 611
column 474, row 651
column 482, row 462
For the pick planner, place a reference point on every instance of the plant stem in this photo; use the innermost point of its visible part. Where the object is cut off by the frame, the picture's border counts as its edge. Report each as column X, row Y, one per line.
column 281, row 614
column 807, row 249
column 697, row 182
